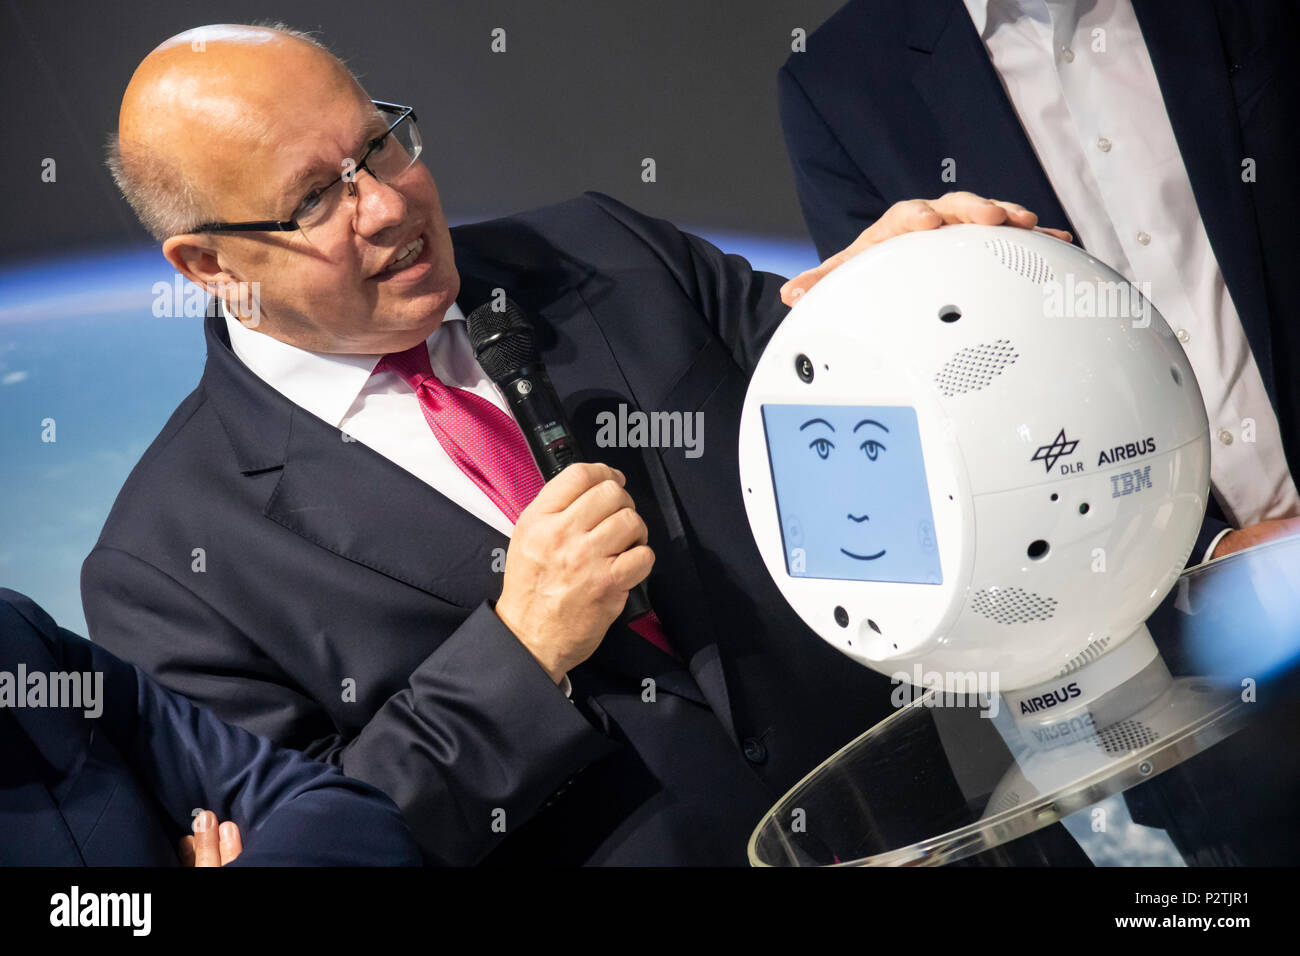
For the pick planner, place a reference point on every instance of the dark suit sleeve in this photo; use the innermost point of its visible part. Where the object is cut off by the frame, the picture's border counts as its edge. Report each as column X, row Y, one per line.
column 290, row 810
column 838, row 200
column 480, row 737
column 1212, row 525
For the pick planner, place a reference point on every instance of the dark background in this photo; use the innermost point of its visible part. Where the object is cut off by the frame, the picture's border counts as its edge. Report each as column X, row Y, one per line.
column 584, row 92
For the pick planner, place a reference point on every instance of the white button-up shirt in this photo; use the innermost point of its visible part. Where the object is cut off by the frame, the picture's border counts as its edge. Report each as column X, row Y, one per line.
column 1087, row 96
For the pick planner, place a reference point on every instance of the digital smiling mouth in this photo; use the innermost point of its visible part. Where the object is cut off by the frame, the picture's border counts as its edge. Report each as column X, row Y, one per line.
column 862, row 557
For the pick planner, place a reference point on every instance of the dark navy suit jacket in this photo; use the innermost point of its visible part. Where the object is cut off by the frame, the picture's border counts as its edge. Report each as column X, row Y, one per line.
column 887, row 91
column 345, row 606
column 117, row 789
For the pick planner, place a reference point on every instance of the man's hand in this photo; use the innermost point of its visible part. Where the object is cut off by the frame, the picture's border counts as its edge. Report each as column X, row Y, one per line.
column 211, row 845
column 1254, row 534
column 915, row 215
column 575, row 553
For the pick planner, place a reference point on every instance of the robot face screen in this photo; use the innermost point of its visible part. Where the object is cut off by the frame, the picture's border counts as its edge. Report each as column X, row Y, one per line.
column 851, row 494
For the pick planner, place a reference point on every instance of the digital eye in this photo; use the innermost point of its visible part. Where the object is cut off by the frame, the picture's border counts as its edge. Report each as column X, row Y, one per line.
column 873, row 448
column 822, row 446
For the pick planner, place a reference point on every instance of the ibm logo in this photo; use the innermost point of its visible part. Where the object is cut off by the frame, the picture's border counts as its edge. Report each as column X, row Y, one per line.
column 1128, row 482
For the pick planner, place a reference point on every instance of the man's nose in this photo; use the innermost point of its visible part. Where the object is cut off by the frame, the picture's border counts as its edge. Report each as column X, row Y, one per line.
column 379, row 206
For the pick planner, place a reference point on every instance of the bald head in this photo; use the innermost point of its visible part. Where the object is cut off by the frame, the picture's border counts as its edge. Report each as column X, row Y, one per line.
column 201, row 111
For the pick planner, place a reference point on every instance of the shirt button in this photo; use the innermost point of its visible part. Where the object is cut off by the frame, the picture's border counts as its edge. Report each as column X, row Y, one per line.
column 755, row 752
column 1143, row 238
column 1225, row 436
column 1067, row 54
column 1103, row 144
column 1183, row 335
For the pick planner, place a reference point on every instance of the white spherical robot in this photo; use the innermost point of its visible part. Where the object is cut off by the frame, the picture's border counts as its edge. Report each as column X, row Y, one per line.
column 977, row 450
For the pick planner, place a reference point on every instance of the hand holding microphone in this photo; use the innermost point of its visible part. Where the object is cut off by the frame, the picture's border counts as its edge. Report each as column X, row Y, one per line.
column 575, row 553
column 578, row 554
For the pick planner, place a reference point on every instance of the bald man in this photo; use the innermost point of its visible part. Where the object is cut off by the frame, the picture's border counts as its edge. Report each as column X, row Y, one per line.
column 338, row 541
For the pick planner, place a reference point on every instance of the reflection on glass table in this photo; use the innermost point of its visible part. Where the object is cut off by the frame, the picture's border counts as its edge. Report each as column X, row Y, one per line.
column 1193, row 760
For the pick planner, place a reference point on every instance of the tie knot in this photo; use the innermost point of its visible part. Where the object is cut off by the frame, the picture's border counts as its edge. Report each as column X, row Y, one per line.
column 412, row 365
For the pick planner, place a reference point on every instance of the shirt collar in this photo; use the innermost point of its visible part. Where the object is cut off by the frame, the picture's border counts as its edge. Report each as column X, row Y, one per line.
column 325, row 384
column 979, row 13
column 1064, row 14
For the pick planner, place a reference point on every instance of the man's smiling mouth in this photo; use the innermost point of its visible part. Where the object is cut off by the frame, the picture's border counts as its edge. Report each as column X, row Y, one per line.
column 410, row 253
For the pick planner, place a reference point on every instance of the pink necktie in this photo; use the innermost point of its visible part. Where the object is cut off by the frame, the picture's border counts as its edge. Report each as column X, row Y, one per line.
column 483, row 441
column 651, row 628
column 487, row 445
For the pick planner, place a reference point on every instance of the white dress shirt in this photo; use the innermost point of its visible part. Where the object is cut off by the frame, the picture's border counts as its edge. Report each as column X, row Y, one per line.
column 381, row 410
column 1087, row 96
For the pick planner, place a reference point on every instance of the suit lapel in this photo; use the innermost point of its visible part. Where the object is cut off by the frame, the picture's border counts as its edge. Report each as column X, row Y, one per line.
column 350, row 500
column 43, row 749
column 952, row 73
column 29, row 809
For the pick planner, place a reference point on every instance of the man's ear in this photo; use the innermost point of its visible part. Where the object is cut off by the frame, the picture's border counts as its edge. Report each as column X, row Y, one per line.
column 195, row 257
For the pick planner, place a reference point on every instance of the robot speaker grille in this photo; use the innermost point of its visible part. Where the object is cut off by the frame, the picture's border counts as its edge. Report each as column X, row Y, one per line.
column 1125, row 736
column 1090, row 654
column 1021, row 261
column 975, row 367
column 1012, row 605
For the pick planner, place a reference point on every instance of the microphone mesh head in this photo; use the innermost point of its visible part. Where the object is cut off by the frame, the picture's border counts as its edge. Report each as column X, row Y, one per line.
column 503, row 341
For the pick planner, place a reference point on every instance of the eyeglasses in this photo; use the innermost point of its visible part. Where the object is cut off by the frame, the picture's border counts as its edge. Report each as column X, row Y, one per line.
column 386, row 157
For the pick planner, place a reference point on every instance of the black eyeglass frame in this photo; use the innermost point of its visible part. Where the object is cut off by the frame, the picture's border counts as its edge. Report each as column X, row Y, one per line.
column 290, row 225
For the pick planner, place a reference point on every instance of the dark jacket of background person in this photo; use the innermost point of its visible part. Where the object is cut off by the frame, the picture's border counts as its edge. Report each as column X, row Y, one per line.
column 887, row 91
column 118, row 789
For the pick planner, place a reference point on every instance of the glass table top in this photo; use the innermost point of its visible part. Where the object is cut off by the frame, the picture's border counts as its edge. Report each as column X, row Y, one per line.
column 1190, row 760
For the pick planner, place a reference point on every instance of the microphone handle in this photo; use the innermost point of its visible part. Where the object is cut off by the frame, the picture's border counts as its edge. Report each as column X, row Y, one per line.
column 541, row 417
column 638, row 604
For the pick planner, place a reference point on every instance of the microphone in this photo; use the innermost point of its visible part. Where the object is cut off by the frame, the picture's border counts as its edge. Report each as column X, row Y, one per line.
column 506, row 350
